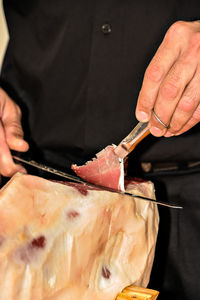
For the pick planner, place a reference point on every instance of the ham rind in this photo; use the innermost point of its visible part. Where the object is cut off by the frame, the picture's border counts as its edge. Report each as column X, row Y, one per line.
column 107, row 169
column 70, row 242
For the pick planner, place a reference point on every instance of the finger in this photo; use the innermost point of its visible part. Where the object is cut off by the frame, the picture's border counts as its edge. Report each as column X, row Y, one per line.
column 7, row 166
column 186, row 106
column 192, row 122
column 13, row 129
column 161, row 63
column 170, row 92
column 14, row 137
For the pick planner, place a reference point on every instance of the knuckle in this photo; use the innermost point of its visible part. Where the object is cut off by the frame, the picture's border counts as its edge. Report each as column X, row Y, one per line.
column 15, row 111
column 169, row 90
column 177, row 29
column 18, row 110
column 14, row 131
column 187, row 104
column 145, row 102
column 154, row 73
column 16, row 126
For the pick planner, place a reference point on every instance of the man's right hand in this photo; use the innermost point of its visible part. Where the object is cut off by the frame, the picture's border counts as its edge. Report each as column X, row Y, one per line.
column 11, row 135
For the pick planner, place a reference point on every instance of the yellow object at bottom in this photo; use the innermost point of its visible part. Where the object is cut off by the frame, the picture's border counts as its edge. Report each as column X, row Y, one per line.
column 134, row 292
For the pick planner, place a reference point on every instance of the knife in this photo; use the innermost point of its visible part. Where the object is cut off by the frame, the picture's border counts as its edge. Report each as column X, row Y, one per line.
column 80, row 180
column 129, row 143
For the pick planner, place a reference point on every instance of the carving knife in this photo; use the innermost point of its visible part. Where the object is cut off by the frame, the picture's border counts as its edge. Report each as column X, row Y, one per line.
column 129, row 143
column 80, row 180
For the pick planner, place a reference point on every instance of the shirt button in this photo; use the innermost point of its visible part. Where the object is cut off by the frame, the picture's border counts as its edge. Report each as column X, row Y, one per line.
column 146, row 167
column 106, row 28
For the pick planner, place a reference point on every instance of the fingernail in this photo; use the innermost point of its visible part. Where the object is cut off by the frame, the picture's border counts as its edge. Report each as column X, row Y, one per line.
column 156, row 131
column 142, row 116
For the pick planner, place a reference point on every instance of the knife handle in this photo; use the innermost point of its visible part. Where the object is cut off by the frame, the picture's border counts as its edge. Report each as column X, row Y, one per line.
column 133, row 138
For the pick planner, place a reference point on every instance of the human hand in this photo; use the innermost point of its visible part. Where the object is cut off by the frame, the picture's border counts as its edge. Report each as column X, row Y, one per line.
column 11, row 135
column 171, row 84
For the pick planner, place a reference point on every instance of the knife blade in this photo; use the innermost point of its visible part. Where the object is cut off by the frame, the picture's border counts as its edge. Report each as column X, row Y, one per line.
column 80, row 180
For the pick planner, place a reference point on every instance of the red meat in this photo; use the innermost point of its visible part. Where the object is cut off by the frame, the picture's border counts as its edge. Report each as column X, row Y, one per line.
column 107, row 169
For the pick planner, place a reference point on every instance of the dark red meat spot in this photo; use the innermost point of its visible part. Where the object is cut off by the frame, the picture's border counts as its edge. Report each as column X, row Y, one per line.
column 83, row 189
column 105, row 272
column 29, row 252
column 72, row 214
column 38, row 242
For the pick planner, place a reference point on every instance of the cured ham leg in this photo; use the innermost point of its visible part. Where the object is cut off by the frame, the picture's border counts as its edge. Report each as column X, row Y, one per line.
column 70, row 242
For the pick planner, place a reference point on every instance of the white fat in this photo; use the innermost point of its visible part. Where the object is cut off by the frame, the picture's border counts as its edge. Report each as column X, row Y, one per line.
column 52, row 281
column 121, row 179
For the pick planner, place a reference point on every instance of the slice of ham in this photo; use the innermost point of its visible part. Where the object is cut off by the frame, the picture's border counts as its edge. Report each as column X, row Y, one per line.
column 70, row 242
column 107, row 169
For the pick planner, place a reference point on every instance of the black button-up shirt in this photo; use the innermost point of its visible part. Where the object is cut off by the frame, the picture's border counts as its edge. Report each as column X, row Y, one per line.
column 76, row 68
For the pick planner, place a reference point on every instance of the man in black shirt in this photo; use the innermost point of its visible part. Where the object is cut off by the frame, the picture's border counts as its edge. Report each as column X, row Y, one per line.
column 75, row 69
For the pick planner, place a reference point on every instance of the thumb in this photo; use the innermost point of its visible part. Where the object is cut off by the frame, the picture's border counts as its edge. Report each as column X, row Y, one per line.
column 15, row 137
column 14, row 134
column 7, row 166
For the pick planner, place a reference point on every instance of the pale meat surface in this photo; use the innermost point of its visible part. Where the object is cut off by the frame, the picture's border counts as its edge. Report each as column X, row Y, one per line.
column 106, row 169
column 69, row 242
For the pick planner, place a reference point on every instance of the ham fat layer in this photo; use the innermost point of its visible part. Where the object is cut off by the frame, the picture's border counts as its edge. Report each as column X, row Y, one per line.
column 69, row 242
